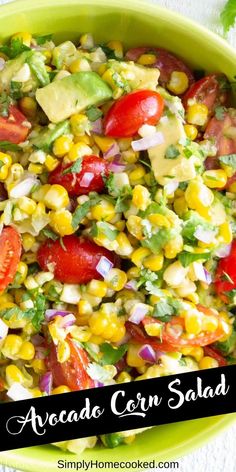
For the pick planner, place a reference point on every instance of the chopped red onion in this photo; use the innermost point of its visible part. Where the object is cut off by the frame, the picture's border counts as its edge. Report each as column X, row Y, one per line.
column 116, row 167
column 171, row 187
column 97, row 126
column 204, row 235
column 67, row 320
column 40, row 352
column 2, row 63
column 23, row 188
column 208, row 277
column 138, row 313
column 147, row 353
column 45, row 383
column 104, row 266
column 50, row 314
column 98, row 384
column 3, row 330
column 37, row 340
column 86, row 179
column 148, row 142
column 131, row 285
column 112, row 151
column 223, row 251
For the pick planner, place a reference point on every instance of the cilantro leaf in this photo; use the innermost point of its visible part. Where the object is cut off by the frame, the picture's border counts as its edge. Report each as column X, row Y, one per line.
column 157, row 241
column 5, row 102
column 42, row 39
column 165, row 309
column 93, row 113
column 187, row 258
column 15, row 90
column 111, row 355
column 15, row 48
column 172, row 152
column 75, row 168
column 228, row 15
column 8, row 146
column 108, row 51
column 220, row 113
column 49, row 234
column 80, row 213
column 110, row 232
column 229, row 160
column 228, row 346
column 39, row 311
column 146, row 275
column 192, row 222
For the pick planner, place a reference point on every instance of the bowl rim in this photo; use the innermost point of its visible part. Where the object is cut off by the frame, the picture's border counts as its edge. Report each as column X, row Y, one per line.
column 11, row 458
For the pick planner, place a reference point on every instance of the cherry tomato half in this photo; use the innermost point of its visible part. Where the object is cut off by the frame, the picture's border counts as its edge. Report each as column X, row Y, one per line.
column 12, row 128
column 208, row 91
column 76, row 261
column 223, row 131
column 89, row 179
column 10, row 252
column 213, row 352
column 165, row 62
column 132, row 111
column 71, row 372
column 225, row 279
column 141, row 337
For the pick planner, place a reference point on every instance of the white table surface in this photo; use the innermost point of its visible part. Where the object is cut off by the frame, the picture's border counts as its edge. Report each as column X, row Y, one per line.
column 219, row 454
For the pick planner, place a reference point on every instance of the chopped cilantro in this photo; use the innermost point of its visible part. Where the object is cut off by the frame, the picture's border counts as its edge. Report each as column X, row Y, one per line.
column 228, row 346
column 165, row 309
column 15, row 48
column 146, row 275
column 110, row 232
column 80, row 213
column 228, row 15
column 111, row 355
column 5, row 102
column 39, row 311
column 15, row 90
column 157, row 241
column 172, row 152
column 220, row 113
column 229, row 160
column 108, row 51
column 42, row 39
column 187, row 258
column 49, row 234
column 93, row 113
column 75, row 168
column 8, row 146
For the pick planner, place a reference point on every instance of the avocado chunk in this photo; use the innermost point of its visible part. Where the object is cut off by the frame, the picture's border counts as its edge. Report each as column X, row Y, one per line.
column 11, row 68
column 72, row 94
column 64, row 54
column 45, row 139
column 180, row 168
column 134, row 75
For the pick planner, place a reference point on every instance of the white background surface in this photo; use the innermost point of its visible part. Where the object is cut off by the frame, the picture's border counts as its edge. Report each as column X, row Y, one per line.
column 220, row 454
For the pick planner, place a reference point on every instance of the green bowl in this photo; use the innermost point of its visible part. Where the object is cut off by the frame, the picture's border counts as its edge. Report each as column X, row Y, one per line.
column 135, row 23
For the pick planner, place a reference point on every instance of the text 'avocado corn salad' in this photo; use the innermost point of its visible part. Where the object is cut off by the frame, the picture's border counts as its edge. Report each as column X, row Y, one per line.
column 117, row 218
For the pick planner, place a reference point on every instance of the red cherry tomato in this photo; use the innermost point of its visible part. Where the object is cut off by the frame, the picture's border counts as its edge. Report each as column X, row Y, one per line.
column 12, row 128
column 132, row 111
column 89, row 179
column 10, row 252
column 226, row 266
column 208, row 91
column 141, row 337
column 76, row 264
column 213, row 352
column 72, row 372
column 224, row 134
column 165, row 62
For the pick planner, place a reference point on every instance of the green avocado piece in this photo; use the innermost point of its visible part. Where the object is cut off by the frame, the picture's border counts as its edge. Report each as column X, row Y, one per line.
column 11, row 68
column 72, row 94
column 45, row 139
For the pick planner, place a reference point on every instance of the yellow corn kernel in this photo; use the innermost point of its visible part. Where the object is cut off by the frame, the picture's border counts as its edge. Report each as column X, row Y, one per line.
column 159, row 220
column 51, row 163
column 196, row 352
column 116, row 279
column 79, row 123
column 124, row 377
column 104, row 210
column 38, row 365
column 6, row 298
column 102, row 68
column 137, row 174
column 174, row 247
column 79, row 150
column 232, row 187
column 36, row 169
column 39, row 194
column 80, row 64
column 210, row 323
column 154, row 262
column 109, row 79
column 21, row 272
column 36, row 392
column 11, row 346
column 56, row 198
column 48, row 68
column 61, row 222
column 139, row 255
column 97, row 288
column 124, row 246
column 225, row 233
column 98, row 323
column 153, row 329
column 24, row 36
column 80, row 333
column 208, row 362
column 16, row 171
column 14, row 374
column 198, row 195
column 215, row 178
column 62, row 146
column 27, row 205
column 133, row 273
column 120, row 225
column 180, row 206
column 96, row 339
column 28, row 106
column 104, row 143
column 133, row 359
column 63, row 351
column 178, row 82
column 48, row 55
column 147, row 59
column 5, row 161
column 84, row 308
column 193, row 297
column 141, row 197
column 86, row 41
column 134, row 226
column 191, row 131
column 27, row 351
column 61, row 389
column 130, row 156
column 193, row 322
column 197, row 114
column 27, row 241
column 117, row 47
